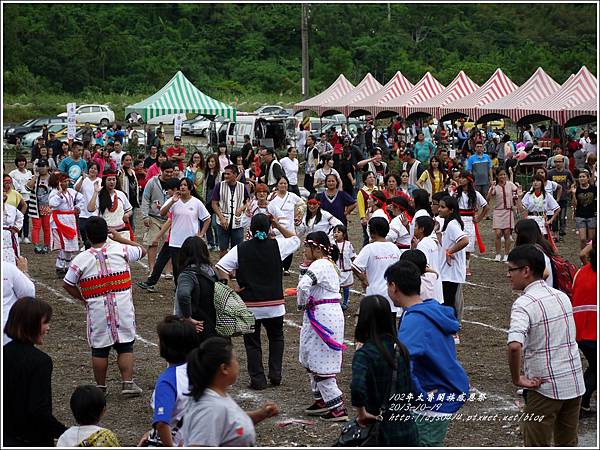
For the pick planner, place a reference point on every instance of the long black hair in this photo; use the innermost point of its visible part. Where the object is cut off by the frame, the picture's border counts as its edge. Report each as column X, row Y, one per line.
column 471, row 193
column 452, row 203
column 193, row 251
column 528, row 232
column 421, row 199
column 319, row 239
column 375, row 321
column 538, row 177
column 104, row 200
column 318, row 214
column 260, row 223
column 204, row 362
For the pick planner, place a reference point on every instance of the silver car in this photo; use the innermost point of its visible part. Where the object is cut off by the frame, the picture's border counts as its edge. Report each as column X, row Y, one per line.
column 29, row 139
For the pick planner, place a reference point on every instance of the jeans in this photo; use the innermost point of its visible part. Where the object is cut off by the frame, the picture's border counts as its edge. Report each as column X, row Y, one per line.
column 82, row 222
column 346, row 292
column 561, row 223
column 211, row 233
column 25, row 229
column 252, row 342
column 234, row 236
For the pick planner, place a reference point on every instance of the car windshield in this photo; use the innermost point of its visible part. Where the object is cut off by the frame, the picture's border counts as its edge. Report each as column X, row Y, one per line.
column 27, row 122
column 56, row 127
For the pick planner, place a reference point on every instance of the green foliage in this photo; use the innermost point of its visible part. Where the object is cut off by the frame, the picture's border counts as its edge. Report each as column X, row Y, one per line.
column 245, row 51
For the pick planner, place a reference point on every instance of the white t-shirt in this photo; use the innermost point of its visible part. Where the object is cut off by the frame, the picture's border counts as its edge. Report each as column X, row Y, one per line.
column 286, row 205
column 186, row 220
column 430, row 247
column 116, row 157
column 290, row 167
column 87, row 190
column 456, row 270
column 75, row 435
column 431, row 287
column 20, row 179
column 230, row 262
column 15, row 285
column 374, row 259
column 419, row 213
column 398, row 233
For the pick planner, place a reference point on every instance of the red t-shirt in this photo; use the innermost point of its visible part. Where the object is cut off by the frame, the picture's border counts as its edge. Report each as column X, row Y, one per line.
column 584, row 304
column 176, row 151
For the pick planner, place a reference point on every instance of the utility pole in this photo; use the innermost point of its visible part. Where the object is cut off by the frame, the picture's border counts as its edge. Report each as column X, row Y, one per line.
column 305, row 70
column 389, row 15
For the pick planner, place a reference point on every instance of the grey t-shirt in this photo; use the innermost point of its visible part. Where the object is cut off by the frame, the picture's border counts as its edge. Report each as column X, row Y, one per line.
column 216, row 421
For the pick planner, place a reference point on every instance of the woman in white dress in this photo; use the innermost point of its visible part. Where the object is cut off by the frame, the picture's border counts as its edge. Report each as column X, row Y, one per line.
column 65, row 203
column 540, row 205
column 86, row 185
column 399, row 233
column 113, row 205
column 322, row 333
column 12, row 222
column 472, row 209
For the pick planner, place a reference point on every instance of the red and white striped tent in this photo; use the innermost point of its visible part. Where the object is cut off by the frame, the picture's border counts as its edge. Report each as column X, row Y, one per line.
column 539, row 86
column 460, row 87
column 578, row 89
column 426, row 88
column 586, row 112
column 367, row 87
column 397, row 86
column 340, row 87
column 496, row 87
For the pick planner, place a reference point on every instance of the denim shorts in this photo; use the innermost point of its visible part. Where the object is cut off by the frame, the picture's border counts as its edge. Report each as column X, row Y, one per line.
column 588, row 223
column 120, row 347
column 233, row 235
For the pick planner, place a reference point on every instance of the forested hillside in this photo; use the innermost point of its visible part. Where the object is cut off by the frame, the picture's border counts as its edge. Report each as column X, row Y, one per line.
column 243, row 49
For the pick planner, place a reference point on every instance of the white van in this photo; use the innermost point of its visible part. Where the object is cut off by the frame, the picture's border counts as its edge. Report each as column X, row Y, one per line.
column 276, row 132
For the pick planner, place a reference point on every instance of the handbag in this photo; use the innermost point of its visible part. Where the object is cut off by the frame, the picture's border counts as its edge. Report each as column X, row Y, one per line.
column 356, row 435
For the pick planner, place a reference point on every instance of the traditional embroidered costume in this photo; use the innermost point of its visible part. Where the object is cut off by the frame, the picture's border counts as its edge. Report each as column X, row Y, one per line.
column 12, row 222
column 63, row 224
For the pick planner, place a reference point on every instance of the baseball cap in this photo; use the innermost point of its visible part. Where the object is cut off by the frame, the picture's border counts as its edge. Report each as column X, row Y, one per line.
column 177, row 138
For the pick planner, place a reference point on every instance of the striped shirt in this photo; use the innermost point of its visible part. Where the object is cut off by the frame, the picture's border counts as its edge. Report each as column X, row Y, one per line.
column 542, row 321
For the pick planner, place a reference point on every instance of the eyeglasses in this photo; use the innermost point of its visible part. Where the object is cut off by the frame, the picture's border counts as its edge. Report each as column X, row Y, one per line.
column 515, row 268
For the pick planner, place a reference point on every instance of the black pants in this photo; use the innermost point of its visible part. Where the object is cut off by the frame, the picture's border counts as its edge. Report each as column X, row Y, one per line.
column 25, row 230
column 588, row 348
column 252, row 343
column 82, row 222
column 449, row 288
column 294, row 188
column 287, row 262
column 308, row 183
column 162, row 259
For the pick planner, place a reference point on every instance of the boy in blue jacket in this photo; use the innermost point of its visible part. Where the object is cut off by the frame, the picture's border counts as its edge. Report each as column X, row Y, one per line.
column 441, row 385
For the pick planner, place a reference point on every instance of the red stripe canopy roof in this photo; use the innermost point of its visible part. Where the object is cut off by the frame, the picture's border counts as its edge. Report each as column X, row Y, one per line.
column 425, row 89
column 460, row 87
column 338, row 89
column 498, row 86
column 589, row 108
column 539, row 86
column 578, row 89
column 397, row 86
column 367, row 87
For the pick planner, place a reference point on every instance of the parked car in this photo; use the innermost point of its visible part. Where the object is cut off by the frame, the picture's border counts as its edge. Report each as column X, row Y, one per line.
column 29, row 139
column 272, row 110
column 29, row 126
column 165, row 119
column 273, row 132
column 96, row 114
column 187, row 124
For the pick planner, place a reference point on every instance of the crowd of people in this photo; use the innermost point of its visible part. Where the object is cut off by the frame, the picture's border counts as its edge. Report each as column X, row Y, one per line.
column 421, row 204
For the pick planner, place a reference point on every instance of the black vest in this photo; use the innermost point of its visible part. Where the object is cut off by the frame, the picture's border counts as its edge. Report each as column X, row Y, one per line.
column 260, row 270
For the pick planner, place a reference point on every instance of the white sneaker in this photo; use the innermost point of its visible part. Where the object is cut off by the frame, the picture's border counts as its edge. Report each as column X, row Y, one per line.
column 82, row 248
column 456, row 339
column 505, row 259
column 26, row 241
column 498, row 258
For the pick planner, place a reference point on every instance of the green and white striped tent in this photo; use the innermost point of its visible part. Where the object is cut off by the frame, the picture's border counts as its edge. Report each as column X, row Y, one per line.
column 179, row 95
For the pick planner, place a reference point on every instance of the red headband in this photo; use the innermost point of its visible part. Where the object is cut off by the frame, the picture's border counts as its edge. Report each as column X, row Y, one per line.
column 312, row 201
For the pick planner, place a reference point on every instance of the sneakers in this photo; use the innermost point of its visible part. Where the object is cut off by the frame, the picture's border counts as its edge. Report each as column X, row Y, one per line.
column 456, row 339
column 168, row 276
column 103, row 388
column 130, row 389
column 38, row 249
column 498, row 258
column 146, row 286
column 505, row 259
column 469, row 272
column 337, row 414
column 82, row 248
column 585, row 412
column 286, row 273
column 318, row 408
column 26, row 241
column 258, row 386
column 344, row 306
column 45, row 250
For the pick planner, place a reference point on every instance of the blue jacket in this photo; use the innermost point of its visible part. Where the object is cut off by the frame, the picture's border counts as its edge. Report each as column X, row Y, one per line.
column 427, row 330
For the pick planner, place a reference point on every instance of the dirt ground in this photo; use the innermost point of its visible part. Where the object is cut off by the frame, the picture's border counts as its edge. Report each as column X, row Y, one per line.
column 482, row 352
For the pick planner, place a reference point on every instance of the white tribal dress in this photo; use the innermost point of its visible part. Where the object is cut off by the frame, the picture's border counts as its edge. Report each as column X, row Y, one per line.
column 11, row 218
column 321, row 282
column 104, row 279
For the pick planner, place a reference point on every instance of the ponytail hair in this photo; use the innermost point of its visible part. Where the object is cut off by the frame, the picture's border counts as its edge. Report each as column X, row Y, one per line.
column 204, row 363
column 319, row 239
column 452, row 203
column 260, row 226
column 471, row 193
